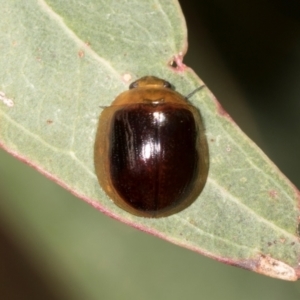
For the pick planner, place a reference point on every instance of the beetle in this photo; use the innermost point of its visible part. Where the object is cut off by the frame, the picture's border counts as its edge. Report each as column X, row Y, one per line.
column 151, row 153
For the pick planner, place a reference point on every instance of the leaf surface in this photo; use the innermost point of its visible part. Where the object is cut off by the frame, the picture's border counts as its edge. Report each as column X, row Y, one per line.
column 61, row 60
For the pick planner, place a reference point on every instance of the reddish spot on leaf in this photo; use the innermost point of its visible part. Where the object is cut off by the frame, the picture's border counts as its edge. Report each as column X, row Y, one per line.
column 273, row 194
column 81, row 53
column 177, row 63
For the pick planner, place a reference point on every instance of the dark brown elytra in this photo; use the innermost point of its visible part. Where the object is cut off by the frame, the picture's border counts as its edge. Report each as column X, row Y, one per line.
column 151, row 154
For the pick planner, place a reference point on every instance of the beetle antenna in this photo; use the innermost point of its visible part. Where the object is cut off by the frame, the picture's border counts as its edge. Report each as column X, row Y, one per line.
column 194, row 91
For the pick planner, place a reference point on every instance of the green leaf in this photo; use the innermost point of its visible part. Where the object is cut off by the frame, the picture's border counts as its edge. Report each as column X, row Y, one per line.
column 61, row 60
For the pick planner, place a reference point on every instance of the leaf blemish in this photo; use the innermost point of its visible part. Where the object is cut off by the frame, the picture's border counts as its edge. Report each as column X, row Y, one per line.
column 273, row 194
column 272, row 267
column 177, row 64
column 81, row 53
column 126, row 77
column 228, row 148
column 7, row 101
column 173, row 64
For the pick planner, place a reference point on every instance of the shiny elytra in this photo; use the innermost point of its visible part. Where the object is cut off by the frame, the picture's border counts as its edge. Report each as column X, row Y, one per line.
column 151, row 154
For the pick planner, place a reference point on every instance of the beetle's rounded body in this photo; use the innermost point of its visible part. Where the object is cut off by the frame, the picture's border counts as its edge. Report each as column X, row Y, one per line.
column 151, row 153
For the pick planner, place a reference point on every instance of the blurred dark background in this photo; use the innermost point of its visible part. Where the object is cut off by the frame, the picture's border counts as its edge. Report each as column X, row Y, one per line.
column 247, row 52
